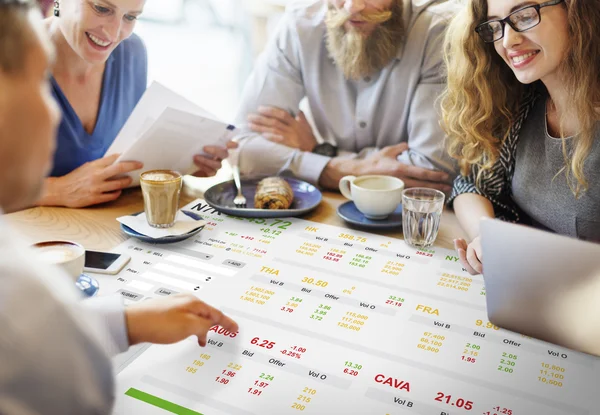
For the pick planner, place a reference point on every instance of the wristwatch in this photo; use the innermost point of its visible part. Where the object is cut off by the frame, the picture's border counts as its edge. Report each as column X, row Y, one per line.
column 326, row 149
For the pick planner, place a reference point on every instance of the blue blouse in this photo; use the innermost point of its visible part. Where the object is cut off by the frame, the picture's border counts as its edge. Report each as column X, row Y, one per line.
column 124, row 83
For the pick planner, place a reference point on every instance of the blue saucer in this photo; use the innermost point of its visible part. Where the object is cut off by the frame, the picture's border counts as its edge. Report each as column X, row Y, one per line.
column 88, row 285
column 165, row 239
column 351, row 214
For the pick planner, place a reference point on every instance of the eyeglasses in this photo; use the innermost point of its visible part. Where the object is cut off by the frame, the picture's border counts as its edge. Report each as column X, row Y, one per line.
column 520, row 20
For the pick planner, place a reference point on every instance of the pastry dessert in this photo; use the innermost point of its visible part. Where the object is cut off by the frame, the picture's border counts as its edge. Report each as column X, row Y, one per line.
column 273, row 193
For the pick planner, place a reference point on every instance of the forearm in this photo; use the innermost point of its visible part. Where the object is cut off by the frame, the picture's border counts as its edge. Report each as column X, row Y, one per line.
column 51, row 193
column 260, row 157
column 51, row 196
column 433, row 158
column 336, row 169
column 469, row 209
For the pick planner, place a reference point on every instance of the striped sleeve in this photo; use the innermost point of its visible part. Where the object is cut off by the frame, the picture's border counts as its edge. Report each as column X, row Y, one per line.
column 495, row 184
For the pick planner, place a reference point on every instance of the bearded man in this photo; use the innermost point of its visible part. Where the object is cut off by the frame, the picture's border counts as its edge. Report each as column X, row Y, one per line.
column 371, row 71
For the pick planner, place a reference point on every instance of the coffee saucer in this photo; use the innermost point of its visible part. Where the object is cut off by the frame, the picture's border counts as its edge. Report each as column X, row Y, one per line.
column 351, row 214
column 166, row 239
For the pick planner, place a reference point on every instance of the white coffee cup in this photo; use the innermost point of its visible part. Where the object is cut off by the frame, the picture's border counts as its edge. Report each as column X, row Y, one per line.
column 375, row 196
column 70, row 256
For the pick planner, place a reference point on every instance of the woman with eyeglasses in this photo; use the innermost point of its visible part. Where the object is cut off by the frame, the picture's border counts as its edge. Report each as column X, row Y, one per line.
column 521, row 111
column 99, row 75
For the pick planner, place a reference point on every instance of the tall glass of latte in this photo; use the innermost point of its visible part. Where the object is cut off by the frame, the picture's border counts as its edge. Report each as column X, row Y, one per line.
column 161, row 189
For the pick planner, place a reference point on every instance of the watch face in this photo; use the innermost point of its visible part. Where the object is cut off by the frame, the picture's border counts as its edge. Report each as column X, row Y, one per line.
column 326, row 149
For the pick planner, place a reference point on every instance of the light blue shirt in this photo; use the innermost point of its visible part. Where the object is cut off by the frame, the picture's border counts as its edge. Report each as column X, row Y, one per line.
column 396, row 105
column 125, row 80
column 54, row 347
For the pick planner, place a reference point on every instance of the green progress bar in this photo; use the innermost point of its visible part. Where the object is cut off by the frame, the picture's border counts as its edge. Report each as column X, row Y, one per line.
column 160, row 403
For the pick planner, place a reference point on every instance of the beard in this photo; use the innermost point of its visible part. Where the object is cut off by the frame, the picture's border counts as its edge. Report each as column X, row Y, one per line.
column 358, row 54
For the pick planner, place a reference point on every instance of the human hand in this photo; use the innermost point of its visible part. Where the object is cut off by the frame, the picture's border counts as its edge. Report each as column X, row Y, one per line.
column 385, row 162
column 90, row 184
column 209, row 164
column 279, row 126
column 470, row 255
column 172, row 319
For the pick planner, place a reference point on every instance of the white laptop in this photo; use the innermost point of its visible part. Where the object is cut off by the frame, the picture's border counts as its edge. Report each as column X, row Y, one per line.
column 542, row 285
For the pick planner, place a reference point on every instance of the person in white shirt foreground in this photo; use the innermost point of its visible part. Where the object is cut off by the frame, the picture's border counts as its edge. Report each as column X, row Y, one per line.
column 55, row 348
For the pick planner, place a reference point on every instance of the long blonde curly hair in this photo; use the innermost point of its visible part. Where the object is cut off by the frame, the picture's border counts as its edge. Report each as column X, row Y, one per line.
column 483, row 95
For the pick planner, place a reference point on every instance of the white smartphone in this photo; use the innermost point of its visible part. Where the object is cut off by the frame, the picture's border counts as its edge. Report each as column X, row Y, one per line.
column 105, row 262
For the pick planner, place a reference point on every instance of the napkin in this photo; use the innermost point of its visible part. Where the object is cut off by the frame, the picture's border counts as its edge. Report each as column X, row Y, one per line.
column 183, row 224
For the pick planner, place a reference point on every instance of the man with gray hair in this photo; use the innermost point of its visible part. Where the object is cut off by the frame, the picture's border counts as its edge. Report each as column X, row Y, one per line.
column 371, row 71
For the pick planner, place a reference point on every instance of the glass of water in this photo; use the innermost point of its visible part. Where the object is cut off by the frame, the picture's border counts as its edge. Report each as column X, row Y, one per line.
column 421, row 213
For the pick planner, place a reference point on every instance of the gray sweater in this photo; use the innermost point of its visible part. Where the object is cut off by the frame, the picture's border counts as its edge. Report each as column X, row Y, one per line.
column 545, row 196
column 522, row 185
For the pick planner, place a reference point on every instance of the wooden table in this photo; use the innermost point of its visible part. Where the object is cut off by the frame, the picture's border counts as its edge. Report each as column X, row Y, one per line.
column 96, row 227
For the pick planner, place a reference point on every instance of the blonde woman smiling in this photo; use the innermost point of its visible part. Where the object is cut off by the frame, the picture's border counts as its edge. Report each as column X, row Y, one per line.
column 99, row 75
column 521, row 113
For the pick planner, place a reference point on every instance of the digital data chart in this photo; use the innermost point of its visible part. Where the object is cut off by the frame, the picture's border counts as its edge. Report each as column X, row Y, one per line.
column 336, row 321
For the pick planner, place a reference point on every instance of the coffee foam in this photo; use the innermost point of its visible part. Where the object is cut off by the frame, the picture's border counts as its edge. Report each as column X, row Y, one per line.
column 58, row 253
column 159, row 177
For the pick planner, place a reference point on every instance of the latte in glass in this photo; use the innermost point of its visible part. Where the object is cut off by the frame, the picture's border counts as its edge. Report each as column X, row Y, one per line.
column 161, row 189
